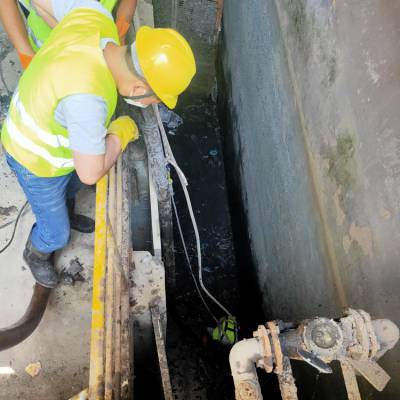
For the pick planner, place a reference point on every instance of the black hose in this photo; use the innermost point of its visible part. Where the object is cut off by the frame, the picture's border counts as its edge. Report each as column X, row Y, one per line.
column 14, row 229
column 16, row 333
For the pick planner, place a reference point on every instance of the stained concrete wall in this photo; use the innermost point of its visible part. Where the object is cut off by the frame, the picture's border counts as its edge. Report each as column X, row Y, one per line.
column 310, row 91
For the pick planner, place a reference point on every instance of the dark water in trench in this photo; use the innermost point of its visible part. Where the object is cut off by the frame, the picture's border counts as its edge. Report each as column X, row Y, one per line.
column 199, row 367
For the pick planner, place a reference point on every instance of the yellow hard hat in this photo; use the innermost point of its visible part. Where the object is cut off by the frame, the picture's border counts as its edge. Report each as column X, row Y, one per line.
column 167, row 62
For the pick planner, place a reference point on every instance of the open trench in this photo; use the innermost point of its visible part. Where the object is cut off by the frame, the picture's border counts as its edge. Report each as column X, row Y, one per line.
column 290, row 150
column 199, row 368
column 198, row 365
column 289, row 145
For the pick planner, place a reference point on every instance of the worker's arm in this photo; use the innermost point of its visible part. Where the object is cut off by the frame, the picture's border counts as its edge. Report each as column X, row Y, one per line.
column 124, row 16
column 90, row 168
column 94, row 146
column 14, row 25
column 44, row 9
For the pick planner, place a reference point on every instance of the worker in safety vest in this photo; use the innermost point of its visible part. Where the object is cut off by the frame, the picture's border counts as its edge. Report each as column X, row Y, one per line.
column 58, row 131
column 27, row 37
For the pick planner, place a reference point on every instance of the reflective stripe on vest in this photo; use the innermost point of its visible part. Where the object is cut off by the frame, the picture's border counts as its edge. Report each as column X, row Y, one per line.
column 18, row 137
column 61, row 68
column 45, row 136
column 34, row 41
column 25, row 132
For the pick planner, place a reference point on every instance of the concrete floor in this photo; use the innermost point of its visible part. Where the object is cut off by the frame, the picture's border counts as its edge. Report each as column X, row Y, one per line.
column 61, row 342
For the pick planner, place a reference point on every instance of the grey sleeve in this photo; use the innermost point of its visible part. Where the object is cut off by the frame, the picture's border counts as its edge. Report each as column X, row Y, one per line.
column 84, row 116
column 62, row 7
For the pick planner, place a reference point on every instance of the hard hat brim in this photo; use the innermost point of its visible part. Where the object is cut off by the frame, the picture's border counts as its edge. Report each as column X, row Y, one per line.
column 143, row 37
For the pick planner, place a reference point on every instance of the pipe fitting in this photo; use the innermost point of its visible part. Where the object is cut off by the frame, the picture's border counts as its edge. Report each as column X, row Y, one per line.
column 387, row 334
column 243, row 358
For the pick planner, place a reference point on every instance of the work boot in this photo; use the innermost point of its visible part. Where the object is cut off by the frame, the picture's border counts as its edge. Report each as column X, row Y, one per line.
column 41, row 265
column 80, row 223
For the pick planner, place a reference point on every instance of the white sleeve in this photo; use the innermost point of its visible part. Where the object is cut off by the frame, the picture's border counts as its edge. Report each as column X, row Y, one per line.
column 84, row 116
column 62, row 7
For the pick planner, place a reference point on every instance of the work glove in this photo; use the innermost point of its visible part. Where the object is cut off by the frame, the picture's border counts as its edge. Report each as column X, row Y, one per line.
column 126, row 130
column 24, row 59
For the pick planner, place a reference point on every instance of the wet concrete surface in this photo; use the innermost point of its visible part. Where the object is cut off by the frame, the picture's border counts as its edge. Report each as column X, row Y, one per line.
column 61, row 342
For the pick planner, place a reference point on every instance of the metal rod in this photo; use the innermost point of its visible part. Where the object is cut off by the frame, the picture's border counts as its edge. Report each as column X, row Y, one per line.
column 96, row 377
column 161, row 352
column 126, row 254
column 350, row 381
column 117, row 298
column 287, row 383
column 110, row 275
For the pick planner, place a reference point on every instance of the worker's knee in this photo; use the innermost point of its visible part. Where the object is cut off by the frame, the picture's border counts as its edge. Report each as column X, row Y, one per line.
column 60, row 236
column 63, row 238
column 49, row 238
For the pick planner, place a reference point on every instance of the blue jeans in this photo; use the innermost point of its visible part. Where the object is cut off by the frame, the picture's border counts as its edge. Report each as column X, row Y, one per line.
column 47, row 197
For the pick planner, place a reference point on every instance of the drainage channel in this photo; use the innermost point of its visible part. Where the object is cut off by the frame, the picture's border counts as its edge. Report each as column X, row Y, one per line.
column 198, row 366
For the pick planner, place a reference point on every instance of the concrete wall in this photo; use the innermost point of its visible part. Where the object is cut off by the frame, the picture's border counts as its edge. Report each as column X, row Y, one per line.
column 311, row 92
column 195, row 20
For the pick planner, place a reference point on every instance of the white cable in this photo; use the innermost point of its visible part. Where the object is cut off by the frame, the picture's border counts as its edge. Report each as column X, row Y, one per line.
column 171, row 160
column 188, row 261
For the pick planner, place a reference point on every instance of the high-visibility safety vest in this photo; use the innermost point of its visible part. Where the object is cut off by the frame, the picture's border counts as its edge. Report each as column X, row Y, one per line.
column 38, row 29
column 70, row 62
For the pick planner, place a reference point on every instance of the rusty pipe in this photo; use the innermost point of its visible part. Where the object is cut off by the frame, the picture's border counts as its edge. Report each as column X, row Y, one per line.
column 19, row 331
column 243, row 358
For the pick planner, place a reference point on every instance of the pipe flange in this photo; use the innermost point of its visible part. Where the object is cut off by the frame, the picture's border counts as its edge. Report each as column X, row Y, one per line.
column 360, row 350
column 262, row 334
column 276, row 344
column 373, row 341
column 323, row 337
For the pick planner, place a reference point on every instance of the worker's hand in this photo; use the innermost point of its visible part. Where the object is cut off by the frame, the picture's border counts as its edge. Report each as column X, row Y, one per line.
column 125, row 129
column 122, row 27
column 25, row 60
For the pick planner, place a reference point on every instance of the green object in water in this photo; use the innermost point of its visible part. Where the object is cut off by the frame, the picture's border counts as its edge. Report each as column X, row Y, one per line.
column 226, row 331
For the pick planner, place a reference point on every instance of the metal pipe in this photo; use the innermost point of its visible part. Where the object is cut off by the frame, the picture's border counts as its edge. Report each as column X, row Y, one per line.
column 117, row 292
column 355, row 340
column 387, row 334
column 23, row 328
column 109, row 288
column 243, row 358
column 96, row 377
column 127, row 372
